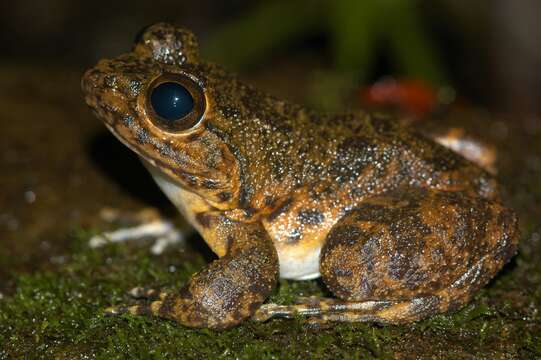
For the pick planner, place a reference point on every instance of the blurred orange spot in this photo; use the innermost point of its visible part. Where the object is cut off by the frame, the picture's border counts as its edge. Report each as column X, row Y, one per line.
column 413, row 97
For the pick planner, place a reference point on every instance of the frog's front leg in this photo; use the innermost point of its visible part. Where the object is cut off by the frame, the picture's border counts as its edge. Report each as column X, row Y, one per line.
column 408, row 255
column 227, row 291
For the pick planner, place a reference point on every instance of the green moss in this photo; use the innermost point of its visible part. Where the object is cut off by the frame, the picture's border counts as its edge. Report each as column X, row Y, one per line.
column 60, row 314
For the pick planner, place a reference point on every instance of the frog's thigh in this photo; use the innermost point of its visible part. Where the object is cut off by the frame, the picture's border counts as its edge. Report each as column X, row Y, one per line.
column 418, row 244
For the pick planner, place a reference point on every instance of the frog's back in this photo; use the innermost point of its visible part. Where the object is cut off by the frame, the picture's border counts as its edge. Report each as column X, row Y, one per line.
column 346, row 160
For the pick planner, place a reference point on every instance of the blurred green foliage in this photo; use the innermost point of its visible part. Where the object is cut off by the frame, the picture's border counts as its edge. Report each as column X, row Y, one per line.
column 357, row 31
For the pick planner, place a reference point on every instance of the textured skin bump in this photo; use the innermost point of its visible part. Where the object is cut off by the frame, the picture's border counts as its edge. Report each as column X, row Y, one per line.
column 168, row 45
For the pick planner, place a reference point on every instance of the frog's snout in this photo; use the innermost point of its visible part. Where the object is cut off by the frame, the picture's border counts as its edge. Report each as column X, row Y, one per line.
column 89, row 85
column 95, row 92
column 100, row 95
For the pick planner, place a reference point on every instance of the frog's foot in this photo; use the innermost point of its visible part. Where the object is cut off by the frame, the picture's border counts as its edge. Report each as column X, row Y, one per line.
column 410, row 254
column 227, row 291
column 323, row 310
column 470, row 147
column 149, row 225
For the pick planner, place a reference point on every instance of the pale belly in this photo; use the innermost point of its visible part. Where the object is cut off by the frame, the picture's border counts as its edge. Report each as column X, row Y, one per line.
column 303, row 267
column 299, row 258
column 297, row 262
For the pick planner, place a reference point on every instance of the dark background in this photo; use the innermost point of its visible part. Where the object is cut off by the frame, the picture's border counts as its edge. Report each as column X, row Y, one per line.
column 488, row 50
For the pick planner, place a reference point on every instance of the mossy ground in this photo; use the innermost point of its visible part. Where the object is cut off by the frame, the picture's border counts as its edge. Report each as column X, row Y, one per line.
column 59, row 314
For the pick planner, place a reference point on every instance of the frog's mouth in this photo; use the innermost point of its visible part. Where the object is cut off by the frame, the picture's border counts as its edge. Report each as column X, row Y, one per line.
column 175, row 164
column 146, row 155
column 109, row 106
column 190, row 181
column 133, row 148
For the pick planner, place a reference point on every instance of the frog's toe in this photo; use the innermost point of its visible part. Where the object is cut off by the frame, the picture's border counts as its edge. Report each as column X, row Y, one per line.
column 140, row 292
column 170, row 238
column 155, row 296
column 472, row 148
column 163, row 231
column 140, row 309
column 115, row 310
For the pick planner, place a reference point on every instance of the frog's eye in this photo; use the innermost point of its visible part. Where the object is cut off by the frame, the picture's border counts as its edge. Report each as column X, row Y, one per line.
column 171, row 101
column 175, row 102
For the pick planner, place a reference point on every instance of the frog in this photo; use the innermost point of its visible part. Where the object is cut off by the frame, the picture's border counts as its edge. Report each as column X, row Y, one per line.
column 397, row 226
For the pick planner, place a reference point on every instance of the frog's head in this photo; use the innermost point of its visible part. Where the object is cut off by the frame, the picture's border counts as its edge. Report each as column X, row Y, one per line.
column 158, row 100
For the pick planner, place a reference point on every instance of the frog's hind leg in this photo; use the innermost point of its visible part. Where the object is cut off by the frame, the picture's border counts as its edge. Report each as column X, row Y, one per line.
column 408, row 255
column 472, row 148
column 380, row 311
column 337, row 310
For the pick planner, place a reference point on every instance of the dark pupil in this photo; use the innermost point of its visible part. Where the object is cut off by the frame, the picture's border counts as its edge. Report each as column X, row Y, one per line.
column 171, row 101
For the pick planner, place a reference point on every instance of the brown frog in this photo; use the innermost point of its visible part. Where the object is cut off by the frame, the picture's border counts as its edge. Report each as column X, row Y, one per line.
column 398, row 226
